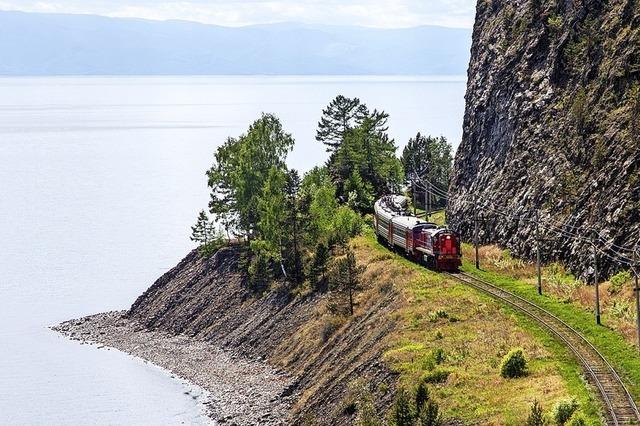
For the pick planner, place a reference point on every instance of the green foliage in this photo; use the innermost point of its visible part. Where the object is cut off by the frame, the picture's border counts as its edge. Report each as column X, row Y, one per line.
column 318, row 268
column 536, row 417
column 577, row 419
column 422, row 396
column 427, row 160
column 346, row 224
column 345, row 282
column 439, row 356
column 363, row 164
column 438, row 314
column 563, row 410
column 554, row 23
column 206, row 235
column 241, row 170
column 579, row 111
column 260, row 274
column 402, row 413
column 514, row 364
column 436, row 376
column 619, row 280
column 429, row 415
column 340, row 116
column 360, row 394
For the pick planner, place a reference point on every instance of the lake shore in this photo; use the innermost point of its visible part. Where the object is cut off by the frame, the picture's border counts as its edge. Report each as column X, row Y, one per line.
column 237, row 391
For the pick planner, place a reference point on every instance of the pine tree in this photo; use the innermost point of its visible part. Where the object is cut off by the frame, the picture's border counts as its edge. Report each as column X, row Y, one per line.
column 318, row 269
column 429, row 415
column 402, row 413
column 346, row 280
column 536, row 417
column 293, row 227
column 342, row 115
column 200, row 231
column 422, row 396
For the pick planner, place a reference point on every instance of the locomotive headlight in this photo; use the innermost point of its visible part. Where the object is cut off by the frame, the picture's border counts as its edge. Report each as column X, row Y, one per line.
column 448, row 237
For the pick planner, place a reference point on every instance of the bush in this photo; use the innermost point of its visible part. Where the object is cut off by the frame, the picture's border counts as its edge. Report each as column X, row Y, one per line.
column 514, row 364
column 439, row 356
column 619, row 280
column 402, row 413
column 429, row 415
column 422, row 396
column 437, row 376
column 563, row 410
column 536, row 417
column 346, row 224
column 577, row 420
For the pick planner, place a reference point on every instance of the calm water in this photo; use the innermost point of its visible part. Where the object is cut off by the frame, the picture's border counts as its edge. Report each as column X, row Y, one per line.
column 100, row 180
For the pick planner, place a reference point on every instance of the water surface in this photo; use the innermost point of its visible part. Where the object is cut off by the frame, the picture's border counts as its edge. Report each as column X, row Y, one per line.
column 100, row 180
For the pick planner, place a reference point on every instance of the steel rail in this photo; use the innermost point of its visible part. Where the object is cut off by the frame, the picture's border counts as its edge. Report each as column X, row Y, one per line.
column 610, row 394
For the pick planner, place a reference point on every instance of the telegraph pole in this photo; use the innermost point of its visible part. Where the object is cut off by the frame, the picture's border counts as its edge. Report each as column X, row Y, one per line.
column 636, row 290
column 475, row 235
column 538, row 260
column 595, row 277
column 413, row 192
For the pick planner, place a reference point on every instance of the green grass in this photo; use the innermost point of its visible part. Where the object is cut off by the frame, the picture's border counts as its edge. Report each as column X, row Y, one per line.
column 454, row 337
column 623, row 356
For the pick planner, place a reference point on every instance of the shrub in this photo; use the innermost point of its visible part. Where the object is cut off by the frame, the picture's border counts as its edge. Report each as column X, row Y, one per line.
column 563, row 410
column 439, row 356
column 422, row 396
column 514, row 364
column 536, row 417
column 439, row 314
column 554, row 23
column 437, row 376
column 577, row 420
column 429, row 415
column 402, row 413
column 619, row 280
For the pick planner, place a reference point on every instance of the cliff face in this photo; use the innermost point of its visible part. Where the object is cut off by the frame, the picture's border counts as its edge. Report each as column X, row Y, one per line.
column 552, row 126
column 208, row 299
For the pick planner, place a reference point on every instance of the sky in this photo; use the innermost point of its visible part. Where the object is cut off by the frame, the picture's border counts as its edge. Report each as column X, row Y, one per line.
column 368, row 13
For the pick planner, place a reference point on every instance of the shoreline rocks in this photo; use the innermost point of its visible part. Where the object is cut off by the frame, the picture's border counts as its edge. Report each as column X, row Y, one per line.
column 237, row 391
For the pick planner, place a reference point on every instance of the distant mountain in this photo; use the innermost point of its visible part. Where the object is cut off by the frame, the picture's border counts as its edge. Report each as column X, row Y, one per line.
column 52, row 44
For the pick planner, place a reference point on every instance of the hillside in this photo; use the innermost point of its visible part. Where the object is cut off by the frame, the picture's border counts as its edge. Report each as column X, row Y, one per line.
column 410, row 325
column 551, row 126
column 50, row 44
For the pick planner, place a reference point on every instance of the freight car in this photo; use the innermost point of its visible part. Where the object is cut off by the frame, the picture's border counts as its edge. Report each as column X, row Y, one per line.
column 438, row 248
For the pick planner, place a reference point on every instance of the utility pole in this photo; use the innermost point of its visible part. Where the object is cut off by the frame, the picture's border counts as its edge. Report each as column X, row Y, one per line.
column 413, row 192
column 475, row 235
column 636, row 290
column 426, row 203
column 538, row 260
column 595, row 277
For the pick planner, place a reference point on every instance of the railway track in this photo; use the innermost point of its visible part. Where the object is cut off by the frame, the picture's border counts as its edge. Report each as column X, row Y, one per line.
column 620, row 408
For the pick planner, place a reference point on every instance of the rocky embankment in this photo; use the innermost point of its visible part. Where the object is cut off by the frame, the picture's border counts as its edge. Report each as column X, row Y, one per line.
column 273, row 358
column 552, row 125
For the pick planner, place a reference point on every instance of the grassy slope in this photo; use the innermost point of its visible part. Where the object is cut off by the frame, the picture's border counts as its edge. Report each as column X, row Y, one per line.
column 623, row 356
column 474, row 335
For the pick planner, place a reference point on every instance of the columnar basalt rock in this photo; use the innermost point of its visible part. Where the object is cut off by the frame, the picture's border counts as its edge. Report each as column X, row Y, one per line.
column 552, row 126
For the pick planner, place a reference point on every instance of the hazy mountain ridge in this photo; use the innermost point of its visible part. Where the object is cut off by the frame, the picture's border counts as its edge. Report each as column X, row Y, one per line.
column 51, row 44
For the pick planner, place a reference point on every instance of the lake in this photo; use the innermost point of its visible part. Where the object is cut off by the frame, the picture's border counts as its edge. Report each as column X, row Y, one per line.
column 100, row 181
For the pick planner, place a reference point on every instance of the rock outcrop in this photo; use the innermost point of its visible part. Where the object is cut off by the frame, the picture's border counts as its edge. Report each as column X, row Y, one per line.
column 552, row 127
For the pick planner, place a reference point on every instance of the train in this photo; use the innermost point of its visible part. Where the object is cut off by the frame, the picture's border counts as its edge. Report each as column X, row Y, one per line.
column 436, row 247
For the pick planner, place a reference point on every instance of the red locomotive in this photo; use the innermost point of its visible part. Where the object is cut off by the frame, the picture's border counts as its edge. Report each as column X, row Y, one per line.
column 438, row 248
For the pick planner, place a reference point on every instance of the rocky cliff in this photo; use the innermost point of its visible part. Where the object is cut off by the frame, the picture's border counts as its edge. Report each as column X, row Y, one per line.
column 552, row 127
column 209, row 299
